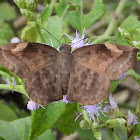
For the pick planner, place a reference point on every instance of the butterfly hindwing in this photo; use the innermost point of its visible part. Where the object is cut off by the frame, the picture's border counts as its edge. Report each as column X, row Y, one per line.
column 87, row 86
column 44, row 86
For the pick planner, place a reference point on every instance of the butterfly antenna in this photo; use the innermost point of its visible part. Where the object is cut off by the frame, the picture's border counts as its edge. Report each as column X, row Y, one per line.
column 52, row 35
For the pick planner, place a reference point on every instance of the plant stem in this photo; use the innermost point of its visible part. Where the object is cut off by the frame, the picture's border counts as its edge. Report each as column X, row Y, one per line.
column 52, row 3
column 138, row 107
column 39, row 32
column 112, row 24
column 102, row 125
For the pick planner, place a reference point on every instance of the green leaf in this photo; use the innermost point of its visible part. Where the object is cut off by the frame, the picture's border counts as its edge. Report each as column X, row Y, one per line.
column 76, row 17
column 96, row 13
column 6, row 75
column 85, row 134
column 54, row 26
column 43, row 119
column 30, row 34
column 46, row 13
column 6, row 113
column 7, row 11
column 6, row 33
column 134, row 75
column 47, row 134
column 114, row 85
column 67, row 123
column 132, row 25
column 15, row 130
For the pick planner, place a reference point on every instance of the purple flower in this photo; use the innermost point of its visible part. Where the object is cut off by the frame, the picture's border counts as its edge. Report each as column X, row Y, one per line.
column 31, row 105
column 78, row 41
column 93, row 111
column 132, row 119
column 136, row 138
column 64, row 99
column 123, row 76
column 112, row 102
column 15, row 40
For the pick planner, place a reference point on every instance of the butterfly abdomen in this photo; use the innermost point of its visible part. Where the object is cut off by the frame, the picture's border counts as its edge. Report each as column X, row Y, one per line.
column 65, row 64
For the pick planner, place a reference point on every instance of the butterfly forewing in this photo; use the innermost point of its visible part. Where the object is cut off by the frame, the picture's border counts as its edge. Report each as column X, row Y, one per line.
column 25, row 58
column 37, row 64
column 110, row 60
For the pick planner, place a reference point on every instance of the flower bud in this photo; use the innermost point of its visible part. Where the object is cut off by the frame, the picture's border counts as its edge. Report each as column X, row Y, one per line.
column 20, row 3
column 31, row 5
column 125, row 33
column 98, row 135
column 30, row 15
column 84, row 124
column 136, row 44
column 115, row 122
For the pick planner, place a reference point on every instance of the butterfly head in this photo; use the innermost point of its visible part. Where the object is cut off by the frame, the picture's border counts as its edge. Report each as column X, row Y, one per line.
column 65, row 47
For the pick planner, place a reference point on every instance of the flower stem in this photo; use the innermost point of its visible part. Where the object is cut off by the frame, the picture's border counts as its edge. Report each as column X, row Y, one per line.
column 52, row 3
column 138, row 107
column 102, row 125
column 39, row 32
column 112, row 24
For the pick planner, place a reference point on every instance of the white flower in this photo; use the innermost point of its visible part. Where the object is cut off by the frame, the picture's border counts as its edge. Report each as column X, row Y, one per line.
column 78, row 41
column 15, row 40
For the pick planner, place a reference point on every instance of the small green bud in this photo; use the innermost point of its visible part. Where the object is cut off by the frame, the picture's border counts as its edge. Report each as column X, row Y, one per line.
column 98, row 135
column 30, row 15
column 115, row 122
column 84, row 124
column 20, row 3
column 31, row 5
column 125, row 33
column 136, row 44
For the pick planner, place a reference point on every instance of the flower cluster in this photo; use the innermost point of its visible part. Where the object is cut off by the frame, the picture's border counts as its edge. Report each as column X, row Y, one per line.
column 112, row 104
column 65, row 99
column 27, row 8
column 93, row 111
column 78, row 41
column 33, row 106
column 132, row 119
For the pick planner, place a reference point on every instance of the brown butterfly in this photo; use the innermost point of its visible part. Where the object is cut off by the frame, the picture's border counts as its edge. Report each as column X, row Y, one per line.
column 83, row 75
